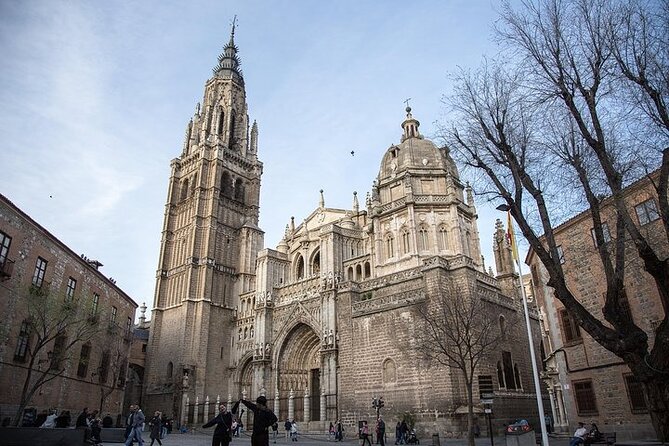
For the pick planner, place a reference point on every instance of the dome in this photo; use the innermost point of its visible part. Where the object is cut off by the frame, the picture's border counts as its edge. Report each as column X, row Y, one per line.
column 415, row 153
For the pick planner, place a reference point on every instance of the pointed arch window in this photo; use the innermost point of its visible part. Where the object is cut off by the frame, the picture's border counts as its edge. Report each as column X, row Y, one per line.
column 170, row 369
column 442, row 238
column 84, row 358
column 502, row 326
column 516, row 374
column 389, row 371
column 316, row 263
column 423, row 239
column 239, row 189
column 500, row 376
column 221, row 121
column 226, row 184
column 300, row 268
column 233, row 118
column 358, row 272
column 184, row 189
column 390, row 246
column 406, row 241
column 349, row 273
column 509, row 377
column 368, row 270
column 468, row 243
column 193, row 184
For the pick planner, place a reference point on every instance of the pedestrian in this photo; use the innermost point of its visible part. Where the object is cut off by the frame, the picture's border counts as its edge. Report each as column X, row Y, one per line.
column 287, row 425
column 381, row 431
column 41, row 418
column 63, row 420
column 163, row 423
column 275, row 431
column 398, row 433
column 293, row 430
column 82, row 419
column 107, row 421
column 339, row 431
column 83, row 423
column 579, row 435
column 404, row 431
column 223, row 423
column 50, row 421
column 263, row 418
column 95, row 425
column 128, row 421
column 156, row 426
column 594, row 435
column 136, row 427
column 364, row 434
column 331, row 432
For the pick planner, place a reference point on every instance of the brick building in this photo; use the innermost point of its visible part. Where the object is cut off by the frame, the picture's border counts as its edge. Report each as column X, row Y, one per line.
column 327, row 320
column 34, row 264
column 586, row 382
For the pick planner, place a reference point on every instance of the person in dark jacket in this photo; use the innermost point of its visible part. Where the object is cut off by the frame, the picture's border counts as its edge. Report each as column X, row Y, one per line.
column 82, row 419
column 156, row 425
column 263, row 418
column 64, row 419
column 223, row 423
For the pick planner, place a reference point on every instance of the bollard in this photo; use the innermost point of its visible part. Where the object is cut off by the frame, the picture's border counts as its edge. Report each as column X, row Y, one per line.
column 435, row 440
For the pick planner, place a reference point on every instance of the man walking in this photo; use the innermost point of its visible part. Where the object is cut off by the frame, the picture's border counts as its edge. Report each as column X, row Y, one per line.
column 136, row 427
column 381, row 431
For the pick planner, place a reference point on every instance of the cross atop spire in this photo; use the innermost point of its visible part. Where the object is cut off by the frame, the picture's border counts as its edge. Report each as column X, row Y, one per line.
column 228, row 61
column 232, row 34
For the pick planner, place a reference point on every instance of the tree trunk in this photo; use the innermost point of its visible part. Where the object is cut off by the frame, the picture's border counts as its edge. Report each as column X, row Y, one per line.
column 470, row 413
column 657, row 392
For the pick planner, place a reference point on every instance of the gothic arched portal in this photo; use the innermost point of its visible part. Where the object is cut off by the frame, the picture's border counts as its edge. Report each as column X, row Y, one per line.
column 299, row 370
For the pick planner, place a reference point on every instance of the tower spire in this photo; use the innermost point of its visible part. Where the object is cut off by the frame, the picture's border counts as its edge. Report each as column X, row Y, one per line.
column 228, row 60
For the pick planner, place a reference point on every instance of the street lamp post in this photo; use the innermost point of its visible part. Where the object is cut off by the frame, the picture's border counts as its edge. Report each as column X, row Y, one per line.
column 535, row 372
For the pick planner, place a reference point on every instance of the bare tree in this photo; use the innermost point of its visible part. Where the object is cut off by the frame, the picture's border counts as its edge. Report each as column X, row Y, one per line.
column 459, row 330
column 54, row 326
column 560, row 123
column 113, row 366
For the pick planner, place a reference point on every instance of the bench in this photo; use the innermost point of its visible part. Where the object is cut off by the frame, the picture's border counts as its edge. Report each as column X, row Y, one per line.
column 608, row 438
column 34, row 436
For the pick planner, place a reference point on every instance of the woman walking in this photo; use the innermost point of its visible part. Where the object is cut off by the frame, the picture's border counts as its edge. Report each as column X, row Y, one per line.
column 155, row 423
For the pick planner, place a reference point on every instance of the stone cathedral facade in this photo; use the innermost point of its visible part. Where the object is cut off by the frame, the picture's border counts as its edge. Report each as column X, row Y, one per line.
column 325, row 321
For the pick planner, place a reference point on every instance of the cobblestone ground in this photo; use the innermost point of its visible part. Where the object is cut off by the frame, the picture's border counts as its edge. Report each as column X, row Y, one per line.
column 203, row 438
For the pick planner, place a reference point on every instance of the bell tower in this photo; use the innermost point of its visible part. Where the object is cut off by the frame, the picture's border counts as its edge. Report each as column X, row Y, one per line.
column 210, row 240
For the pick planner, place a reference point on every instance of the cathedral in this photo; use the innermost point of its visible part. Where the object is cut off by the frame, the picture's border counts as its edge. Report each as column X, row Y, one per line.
column 325, row 322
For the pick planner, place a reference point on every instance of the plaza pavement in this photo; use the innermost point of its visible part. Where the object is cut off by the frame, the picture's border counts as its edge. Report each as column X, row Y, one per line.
column 203, row 438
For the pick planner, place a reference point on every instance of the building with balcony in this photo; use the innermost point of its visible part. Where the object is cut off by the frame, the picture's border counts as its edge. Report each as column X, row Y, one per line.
column 64, row 322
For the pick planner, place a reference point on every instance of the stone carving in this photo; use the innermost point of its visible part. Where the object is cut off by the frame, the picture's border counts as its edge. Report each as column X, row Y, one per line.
column 388, row 302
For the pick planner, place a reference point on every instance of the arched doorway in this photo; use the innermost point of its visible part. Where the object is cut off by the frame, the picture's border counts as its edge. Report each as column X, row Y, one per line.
column 299, row 370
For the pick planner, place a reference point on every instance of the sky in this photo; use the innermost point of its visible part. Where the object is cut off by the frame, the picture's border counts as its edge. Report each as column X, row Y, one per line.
column 96, row 96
